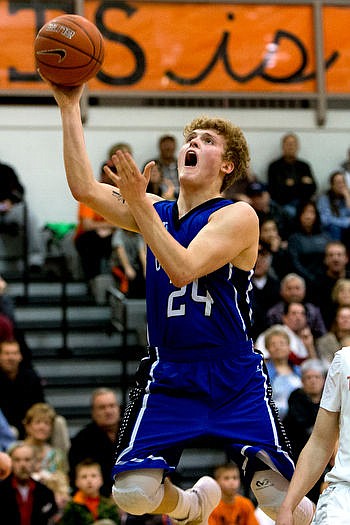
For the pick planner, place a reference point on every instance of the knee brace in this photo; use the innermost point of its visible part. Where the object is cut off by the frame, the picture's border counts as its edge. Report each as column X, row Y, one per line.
column 139, row 491
column 270, row 488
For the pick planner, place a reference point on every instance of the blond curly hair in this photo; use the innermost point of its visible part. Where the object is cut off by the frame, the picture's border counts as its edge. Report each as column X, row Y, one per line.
column 236, row 149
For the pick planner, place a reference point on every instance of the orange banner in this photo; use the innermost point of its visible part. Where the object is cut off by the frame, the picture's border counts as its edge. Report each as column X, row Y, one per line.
column 189, row 47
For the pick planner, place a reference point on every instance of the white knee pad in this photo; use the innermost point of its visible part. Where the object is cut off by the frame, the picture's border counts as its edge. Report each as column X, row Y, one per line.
column 139, row 491
column 270, row 488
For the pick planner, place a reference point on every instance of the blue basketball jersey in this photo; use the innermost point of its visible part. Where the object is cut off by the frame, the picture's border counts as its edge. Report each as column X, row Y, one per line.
column 201, row 376
column 211, row 312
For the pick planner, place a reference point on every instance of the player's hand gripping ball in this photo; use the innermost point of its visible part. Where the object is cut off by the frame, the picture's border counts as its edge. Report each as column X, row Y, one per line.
column 69, row 50
column 5, row 465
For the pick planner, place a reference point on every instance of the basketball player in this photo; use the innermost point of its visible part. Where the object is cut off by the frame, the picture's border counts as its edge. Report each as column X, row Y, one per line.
column 332, row 422
column 202, row 376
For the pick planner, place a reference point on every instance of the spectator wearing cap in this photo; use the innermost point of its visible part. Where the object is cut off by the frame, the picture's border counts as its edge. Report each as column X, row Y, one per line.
column 260, row 198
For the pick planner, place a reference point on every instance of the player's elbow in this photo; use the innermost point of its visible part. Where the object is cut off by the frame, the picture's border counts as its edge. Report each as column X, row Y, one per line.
column 180, row 278
column 82, row 193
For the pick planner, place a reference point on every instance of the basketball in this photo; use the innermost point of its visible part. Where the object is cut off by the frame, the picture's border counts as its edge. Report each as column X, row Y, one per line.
column 69, row 50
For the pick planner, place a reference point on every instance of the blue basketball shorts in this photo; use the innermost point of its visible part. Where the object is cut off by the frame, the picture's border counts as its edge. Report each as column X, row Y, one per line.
column 226, row 398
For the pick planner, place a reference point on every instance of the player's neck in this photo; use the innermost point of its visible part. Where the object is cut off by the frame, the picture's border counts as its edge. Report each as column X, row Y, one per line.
column 188, row 200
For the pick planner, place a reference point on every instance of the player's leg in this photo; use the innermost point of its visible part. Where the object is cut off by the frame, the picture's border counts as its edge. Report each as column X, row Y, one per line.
column 269, row 488
column 144, row 492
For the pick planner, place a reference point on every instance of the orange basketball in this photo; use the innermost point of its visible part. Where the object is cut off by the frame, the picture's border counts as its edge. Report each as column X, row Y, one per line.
column 69, row 50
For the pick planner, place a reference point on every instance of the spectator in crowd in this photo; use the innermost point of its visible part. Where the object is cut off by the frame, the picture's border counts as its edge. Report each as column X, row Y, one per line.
column 7, row 434
column 237, row 191
column 308, row 339
column 290, row 179
column 293, row 321
column 159, row 185
column 340, row 297
column 58, row 482
column 284, row 375
column 333, row 340
column 98, row 438
column 20, row 386
column 18, row 225
column 6, row 328
column 93, row 239
column 266, row 208
column 303, row 405
column 293, row 289
column 129, row 262
column 334, row 208
column 167, row 160
column 9, row 328
column 266, row 290
column 23, row 500
column 88, row 504
column 345, row 168
column 335, row 267
column 270, row 235
column 6, row 302
column 233, row 507
column 38, row 423
column 122, row 146
column 306, row 246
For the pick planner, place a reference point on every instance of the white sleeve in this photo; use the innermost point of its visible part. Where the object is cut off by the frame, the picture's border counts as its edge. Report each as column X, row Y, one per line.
column 331, row 396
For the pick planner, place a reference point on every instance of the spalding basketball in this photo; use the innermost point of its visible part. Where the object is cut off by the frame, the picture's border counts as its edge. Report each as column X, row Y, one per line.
column 69, row 50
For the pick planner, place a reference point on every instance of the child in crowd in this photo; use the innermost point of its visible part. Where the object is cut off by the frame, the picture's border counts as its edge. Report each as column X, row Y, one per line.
column 88, row 505
column 233, row 507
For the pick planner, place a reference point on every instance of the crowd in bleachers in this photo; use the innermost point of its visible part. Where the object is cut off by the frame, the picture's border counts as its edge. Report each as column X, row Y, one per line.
column 301, row 317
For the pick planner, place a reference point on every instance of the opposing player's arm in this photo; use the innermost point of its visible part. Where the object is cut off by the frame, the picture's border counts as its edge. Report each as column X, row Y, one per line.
column 311, row 463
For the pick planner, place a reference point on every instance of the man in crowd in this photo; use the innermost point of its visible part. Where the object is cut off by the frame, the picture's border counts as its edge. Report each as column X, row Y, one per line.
column 97, row 439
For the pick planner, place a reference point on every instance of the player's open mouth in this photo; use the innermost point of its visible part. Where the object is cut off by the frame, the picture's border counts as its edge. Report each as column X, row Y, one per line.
column 191, row 158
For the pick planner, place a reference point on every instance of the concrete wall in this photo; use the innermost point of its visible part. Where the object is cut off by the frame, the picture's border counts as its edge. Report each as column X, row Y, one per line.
column 30, row 140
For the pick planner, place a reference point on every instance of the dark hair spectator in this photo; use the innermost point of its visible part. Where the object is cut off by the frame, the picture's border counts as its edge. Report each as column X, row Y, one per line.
column 306, row 246
column 97, row 439
column 334, row 208
column 20, row 386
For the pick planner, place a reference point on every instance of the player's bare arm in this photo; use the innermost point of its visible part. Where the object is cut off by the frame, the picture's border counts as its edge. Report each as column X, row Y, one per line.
column 84, row 187
column 311, row 463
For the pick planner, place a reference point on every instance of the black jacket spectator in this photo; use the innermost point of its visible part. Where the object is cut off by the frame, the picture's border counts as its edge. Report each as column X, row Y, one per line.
column 44, row 505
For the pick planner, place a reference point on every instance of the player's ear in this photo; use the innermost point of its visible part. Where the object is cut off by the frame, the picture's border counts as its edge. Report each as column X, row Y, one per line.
column 227, row 166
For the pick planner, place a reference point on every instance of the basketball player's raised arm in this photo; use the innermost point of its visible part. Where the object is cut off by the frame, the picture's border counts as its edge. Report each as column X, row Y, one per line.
column 82, row 183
